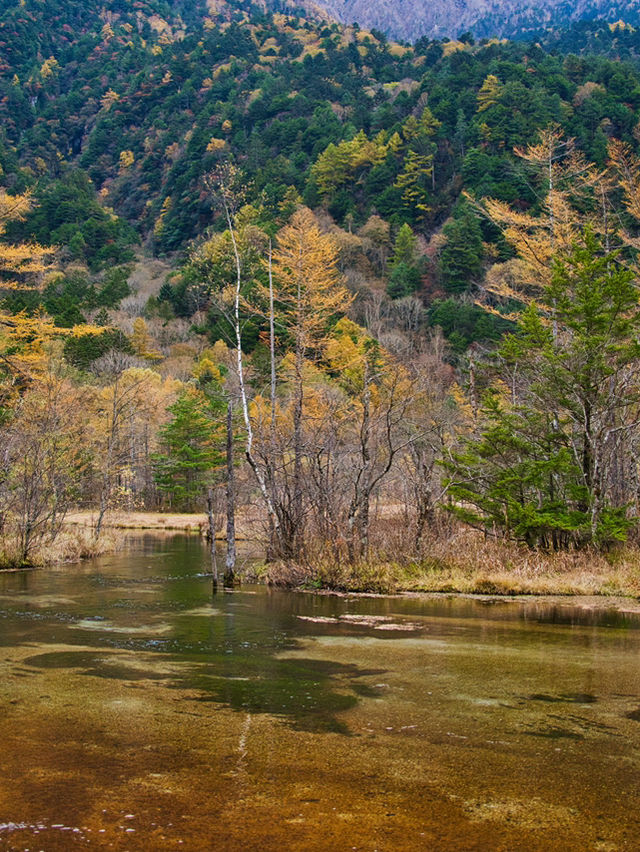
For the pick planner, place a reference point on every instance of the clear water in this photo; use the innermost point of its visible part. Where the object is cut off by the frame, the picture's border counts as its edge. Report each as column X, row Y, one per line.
column 140, row 712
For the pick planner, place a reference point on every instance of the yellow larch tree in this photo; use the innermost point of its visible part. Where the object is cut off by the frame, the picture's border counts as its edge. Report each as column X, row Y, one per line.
column 309, row 289
column 563, row 176
column 489, row 93
column 22, row 267
column 20, row 264
column 309, row 293
column 142, row 342
column 626, row 167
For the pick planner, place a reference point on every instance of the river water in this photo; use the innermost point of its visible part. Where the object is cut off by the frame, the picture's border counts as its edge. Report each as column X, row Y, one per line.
column 140, row 712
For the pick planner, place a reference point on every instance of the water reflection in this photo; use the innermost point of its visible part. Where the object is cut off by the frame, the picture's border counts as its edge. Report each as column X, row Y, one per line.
column 226, row 645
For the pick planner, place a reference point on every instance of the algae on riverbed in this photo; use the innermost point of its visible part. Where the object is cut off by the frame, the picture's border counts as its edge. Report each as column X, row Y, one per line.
column 274, row 720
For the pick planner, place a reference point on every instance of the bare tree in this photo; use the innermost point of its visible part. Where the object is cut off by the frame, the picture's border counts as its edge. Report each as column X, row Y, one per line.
column 46, row 453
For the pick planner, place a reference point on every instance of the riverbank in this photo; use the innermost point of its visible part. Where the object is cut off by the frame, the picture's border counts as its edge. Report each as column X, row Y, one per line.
column 72, row 544
column 141, row 521
column 467, row 563
column 460, row 562
column 77, row 542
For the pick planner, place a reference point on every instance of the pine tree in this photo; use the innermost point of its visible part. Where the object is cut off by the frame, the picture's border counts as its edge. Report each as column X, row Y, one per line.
column 405, row 247
column 461, row 258
column 194, row 449
column 414, row 181
column 540, row 469
column 404, row 270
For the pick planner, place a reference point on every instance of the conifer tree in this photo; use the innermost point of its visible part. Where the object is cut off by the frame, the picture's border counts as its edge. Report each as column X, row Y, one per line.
column 489, row 93
column 194, row 447
column 404, row 271
column 540, row 468
column 309, row 292
column 461, row 258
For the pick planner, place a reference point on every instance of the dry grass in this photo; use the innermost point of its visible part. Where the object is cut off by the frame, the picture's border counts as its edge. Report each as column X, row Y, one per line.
column 71, row 545
column 327, row 573
column 465, row 562
column 141, row 521
column 249, row 523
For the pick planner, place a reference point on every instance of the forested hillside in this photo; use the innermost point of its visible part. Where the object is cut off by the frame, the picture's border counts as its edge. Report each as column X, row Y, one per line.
column 144, row 107
column 161, row 166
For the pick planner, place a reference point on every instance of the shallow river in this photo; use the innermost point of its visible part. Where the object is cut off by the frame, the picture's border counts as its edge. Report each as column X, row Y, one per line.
column 139, row 712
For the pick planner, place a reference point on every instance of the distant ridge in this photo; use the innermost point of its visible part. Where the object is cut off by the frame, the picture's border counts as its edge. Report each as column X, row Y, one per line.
column 409, row 20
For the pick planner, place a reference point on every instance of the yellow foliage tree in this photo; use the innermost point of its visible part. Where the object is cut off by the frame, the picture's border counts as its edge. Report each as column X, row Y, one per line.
column 627, row 167
column 127, row 159
column 22, row 267
column 142, row 342
column 48, row 67
column 45, row 450
column 338, row 164
column 109, row 99
column 565, row 178
column 309, row 289
column 309, row 293
column 489, row 93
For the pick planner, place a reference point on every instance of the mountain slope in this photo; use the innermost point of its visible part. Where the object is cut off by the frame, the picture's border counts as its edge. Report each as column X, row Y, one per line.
column 118, row 122
column 26, row 34
column 411, row 19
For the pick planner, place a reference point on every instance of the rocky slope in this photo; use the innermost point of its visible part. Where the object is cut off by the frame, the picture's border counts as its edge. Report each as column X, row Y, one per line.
column 411, row 19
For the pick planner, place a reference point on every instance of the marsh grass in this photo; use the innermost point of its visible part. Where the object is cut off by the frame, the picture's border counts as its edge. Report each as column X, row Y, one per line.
column 464, row 561
column 71, row 545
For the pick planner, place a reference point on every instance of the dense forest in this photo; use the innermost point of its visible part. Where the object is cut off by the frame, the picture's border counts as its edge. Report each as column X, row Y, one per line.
column 249, row 258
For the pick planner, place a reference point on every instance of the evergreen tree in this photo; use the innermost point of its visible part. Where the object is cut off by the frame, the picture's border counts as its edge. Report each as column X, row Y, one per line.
column 405, row 247
column 461, row 258
column 541, row 467
column 404, row 267
column 194, row 449
column 489, row 93
column 403, row 281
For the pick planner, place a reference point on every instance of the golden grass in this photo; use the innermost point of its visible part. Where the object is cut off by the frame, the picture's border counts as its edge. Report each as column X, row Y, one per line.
column 71, row 545
column 465, row 562
column 141, row 521
column 249, row 524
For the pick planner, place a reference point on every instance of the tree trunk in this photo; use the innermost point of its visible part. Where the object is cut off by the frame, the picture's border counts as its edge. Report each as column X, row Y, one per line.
column 230, row 561
column 425, row 514
column 365, row 491
column 212, row 535
column 258, row 473
column 358, row 520
column 106, row 478
column 294, row 544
